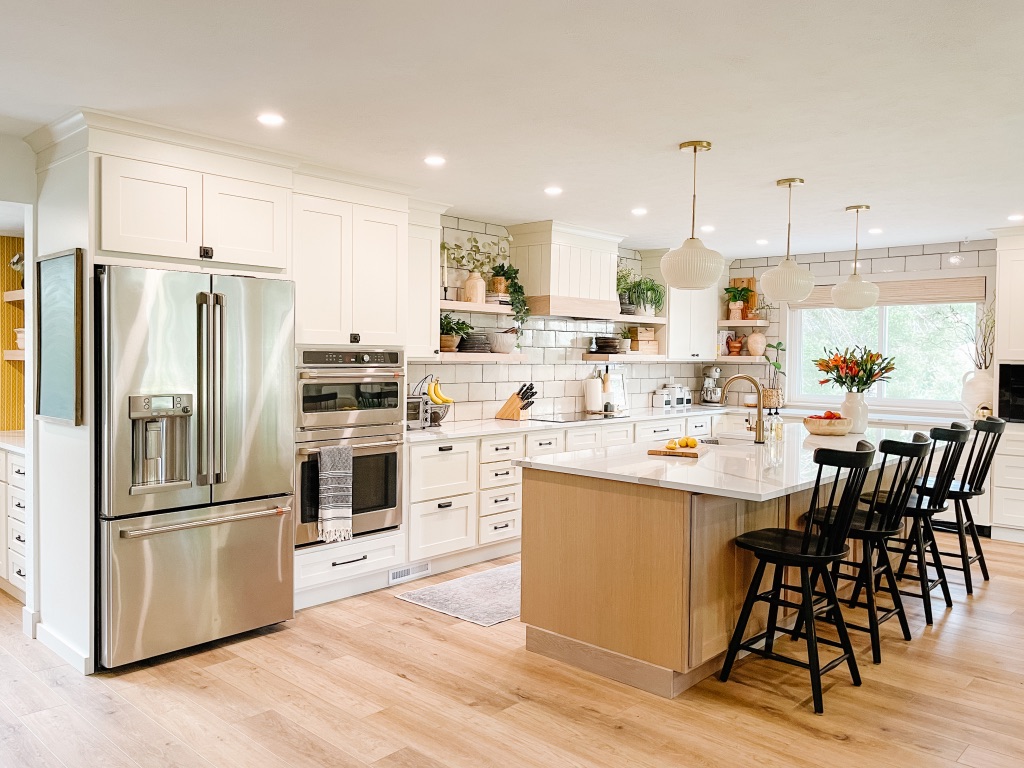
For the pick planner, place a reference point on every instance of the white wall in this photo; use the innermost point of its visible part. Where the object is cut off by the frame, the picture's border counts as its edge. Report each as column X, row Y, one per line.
column 17, row 171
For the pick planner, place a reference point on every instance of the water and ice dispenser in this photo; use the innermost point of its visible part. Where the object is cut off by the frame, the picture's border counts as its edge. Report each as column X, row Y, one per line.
column 161, row 433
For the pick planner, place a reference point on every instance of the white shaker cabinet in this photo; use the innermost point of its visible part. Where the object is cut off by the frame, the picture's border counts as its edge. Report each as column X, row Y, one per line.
column 245, row 222
column 693, row 324
column 424, row 301
column 321, row 261
column 379, row 286
column 1009, row 313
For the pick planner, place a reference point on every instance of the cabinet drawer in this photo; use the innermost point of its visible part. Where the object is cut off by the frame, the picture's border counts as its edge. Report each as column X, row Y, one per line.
column 616, row 434
column 335, row 562
column 16, row 506
column 442, row 526
column 501, row 448
column 659, row 430
column 1008, row 472
column 499, row 473
column 16, row 470
column 501, row 500
column 581, row 439
column 1008, row 507
column 1012, row 443
column 543, row 443
column 437, row 470
column 698, row 427
column 17, row 572
column 498, row 527
column 16, row 536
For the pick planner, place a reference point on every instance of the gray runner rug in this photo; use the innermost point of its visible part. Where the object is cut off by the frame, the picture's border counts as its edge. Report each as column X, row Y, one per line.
column 486, row 598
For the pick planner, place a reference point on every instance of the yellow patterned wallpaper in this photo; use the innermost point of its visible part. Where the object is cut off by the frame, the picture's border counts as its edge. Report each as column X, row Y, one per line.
column 12, row 315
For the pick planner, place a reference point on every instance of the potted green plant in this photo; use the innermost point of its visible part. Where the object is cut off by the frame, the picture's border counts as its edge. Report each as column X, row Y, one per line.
column 647, row 295
column 773, row 396
column 452, row 329
column 623, row 279
column 737, row 300
column 625, row 340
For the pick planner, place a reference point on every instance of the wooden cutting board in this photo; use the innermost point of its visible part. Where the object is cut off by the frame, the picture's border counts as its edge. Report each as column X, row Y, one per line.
column 686, row 453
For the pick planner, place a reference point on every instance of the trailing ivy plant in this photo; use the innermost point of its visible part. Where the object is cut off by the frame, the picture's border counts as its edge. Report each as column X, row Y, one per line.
column 520, row 309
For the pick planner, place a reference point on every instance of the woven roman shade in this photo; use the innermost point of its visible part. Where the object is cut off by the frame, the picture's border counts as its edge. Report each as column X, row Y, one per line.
column 946, row 290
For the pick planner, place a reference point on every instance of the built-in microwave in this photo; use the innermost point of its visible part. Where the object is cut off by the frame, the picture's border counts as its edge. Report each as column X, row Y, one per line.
column 1011, row 392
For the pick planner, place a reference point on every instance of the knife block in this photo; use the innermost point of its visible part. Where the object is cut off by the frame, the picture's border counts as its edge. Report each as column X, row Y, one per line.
column 511, row 410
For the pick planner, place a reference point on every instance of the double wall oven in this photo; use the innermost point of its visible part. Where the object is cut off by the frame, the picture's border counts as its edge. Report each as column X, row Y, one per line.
column 354, row 397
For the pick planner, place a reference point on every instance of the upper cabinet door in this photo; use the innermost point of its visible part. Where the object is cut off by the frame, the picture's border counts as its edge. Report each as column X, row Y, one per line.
column 1009, row 313
column 423, row 336
column 322, row 269
column 704, row 323
column 150, row 209
column 246, row 222
column 379, row 287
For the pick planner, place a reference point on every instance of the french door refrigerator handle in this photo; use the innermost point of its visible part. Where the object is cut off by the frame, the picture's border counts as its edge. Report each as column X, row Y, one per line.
column 204, row 471
column 138, row 533
column 219, row 335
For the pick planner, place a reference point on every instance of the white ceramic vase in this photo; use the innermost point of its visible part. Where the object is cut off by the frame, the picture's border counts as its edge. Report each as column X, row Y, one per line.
column 757, row 343
column 978, row 390
column 855, row 409
column 474, row 290
column 644, row 311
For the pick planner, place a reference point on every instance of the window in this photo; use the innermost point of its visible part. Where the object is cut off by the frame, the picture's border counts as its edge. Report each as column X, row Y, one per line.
column 927, row 341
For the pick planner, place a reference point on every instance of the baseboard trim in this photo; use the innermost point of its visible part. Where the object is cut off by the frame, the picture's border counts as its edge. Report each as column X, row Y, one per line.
column 29, row 621
column 84, row 664
column 985, row 531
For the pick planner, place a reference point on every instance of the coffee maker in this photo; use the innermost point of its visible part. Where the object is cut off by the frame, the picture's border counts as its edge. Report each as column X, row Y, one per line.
column 710, row 392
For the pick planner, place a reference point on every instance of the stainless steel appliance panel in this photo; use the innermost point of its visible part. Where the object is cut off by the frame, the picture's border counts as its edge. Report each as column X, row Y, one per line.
column 253, row 329
column 178, row 579
column 148, row 337
column 330, row 398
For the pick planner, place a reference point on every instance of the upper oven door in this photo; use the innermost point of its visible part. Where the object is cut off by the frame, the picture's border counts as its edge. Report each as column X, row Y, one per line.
column 349, row 398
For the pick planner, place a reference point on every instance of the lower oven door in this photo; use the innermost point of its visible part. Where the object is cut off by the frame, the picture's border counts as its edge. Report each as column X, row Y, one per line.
column 376, row 487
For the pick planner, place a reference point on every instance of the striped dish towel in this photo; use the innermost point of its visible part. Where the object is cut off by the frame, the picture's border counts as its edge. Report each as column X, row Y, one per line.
column 335, row 519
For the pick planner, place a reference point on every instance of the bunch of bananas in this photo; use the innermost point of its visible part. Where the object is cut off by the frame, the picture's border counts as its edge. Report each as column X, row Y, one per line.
column 437, row 397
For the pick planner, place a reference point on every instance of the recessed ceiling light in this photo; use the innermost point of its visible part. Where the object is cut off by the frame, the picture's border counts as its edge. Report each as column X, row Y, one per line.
column 552, row 191
column 271, row 119
column 762, row 242
column 874, row 231
column 434, row 160
column 1015, row 217
column 707, row 228
column 639, row 211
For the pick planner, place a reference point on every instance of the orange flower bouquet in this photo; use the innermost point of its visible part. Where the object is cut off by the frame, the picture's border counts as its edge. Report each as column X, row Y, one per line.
column 855, row 370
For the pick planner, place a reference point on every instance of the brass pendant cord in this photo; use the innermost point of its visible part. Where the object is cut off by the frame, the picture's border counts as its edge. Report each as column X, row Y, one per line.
column 693, row 206
column 856, row 240
column 789, row 220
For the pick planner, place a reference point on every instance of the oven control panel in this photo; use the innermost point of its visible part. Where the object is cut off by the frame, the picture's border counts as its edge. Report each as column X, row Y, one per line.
column 350, row 357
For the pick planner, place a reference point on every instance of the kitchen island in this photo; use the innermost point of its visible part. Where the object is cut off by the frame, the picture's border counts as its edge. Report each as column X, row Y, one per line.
column 629, row 569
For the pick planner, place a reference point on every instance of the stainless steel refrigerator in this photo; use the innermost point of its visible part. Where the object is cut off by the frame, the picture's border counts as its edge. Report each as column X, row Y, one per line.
column 196, row 450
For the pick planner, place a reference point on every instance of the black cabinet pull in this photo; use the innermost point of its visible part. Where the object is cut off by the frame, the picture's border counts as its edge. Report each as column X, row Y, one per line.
column 660, row 430
column 547, row 443
column 19, row 505
column 349, row 562
column 506, row 473
column 19, row 573
column 17, row 538
column 446, row 448
column 502, row 501
column 444, row 505
column 19, row 471
column 502, row 447
column 499, row 527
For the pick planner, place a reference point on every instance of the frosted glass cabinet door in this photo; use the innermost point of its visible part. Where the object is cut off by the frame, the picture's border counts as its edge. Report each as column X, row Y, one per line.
column 150, row 209
column 321, row 269
column 379, row 287
column 246, row 222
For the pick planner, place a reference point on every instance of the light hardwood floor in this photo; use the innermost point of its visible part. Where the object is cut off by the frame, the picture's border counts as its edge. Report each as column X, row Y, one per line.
column 377, row 681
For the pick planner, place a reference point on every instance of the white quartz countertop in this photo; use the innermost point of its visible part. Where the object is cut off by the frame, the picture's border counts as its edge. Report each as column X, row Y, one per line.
column 741, row 471
column 13, row 441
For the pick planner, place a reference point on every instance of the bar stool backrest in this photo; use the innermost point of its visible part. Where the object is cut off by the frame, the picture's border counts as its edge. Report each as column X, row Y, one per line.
column 834, row 525
column 987, row 434
column 891, row 496
column 950, row 442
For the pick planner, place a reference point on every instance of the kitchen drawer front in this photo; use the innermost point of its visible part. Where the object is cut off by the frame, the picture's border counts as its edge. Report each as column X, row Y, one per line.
column 437, row 470
column 1012, row 442
column 1008, row 507
column 507, row 525
column 16, row 536
column 698, row 426
column 501, row 448
column 499, row 473
column 335, row 562
column 442, row 526
column 659, row 430
column 1008, row 472
column 581, row 439
column 543, row 443
column 16, row 470
column 501, row 500
column 616, row 434
column 16, row 505
column 16, row 574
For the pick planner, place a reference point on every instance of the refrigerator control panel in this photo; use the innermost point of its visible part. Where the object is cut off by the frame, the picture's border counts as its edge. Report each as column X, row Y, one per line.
column 153, row 406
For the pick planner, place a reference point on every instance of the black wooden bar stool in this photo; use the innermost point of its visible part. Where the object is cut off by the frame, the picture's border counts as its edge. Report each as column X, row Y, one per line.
column 812, row 552
column 919, row 547
column 873, row 525
column 987, row 434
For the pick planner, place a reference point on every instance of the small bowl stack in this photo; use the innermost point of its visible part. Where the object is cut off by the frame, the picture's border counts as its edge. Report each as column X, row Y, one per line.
column 607, row 345
column 475, row 342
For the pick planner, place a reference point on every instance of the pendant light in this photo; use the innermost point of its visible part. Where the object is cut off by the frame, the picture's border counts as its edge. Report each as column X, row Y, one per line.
column 855, row 293
column 789, row 281
column 692, row 266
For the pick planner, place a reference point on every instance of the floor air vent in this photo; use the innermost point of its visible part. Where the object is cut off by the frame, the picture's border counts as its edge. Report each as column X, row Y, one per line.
column 408, row 573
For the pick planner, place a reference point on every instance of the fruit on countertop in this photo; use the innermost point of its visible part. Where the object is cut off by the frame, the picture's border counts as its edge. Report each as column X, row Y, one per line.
column 437, row 397
column 830, row 415
column 671, row 445
column 682, row 442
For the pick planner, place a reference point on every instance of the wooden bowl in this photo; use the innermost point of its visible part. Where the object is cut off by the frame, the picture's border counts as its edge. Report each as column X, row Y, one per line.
column 828, row 427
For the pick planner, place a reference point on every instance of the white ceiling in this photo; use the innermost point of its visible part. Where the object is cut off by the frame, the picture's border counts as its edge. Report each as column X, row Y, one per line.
column 12, row 219
column 914, row 106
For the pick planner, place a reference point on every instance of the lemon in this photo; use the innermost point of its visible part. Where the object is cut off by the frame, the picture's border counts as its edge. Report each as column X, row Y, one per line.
column 671, row 445
column 691, row 442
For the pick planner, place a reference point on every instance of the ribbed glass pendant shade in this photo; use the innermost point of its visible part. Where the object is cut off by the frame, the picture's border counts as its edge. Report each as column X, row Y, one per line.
column 692, row 266
column 855, row 293
column 787, row 282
